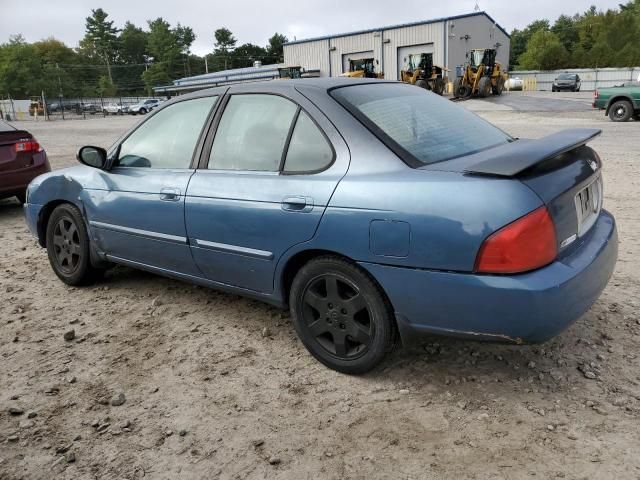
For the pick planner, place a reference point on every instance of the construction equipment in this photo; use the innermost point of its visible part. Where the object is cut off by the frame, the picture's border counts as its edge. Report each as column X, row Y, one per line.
column 36, row 107
column 362, row 68
column 290, row 72
column 482, row 75
column 423, row 73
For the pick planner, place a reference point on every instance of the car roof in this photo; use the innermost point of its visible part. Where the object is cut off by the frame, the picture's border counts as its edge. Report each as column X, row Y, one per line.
column 5, row 127
column 279, row 86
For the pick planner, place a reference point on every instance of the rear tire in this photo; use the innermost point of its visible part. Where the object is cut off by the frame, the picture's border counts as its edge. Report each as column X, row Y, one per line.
column 341, row 315
column 422, row 84
column 68, row 247
column 621, row 111
column 143, row 111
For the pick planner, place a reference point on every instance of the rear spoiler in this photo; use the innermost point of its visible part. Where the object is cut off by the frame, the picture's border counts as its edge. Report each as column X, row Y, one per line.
column 510, row 159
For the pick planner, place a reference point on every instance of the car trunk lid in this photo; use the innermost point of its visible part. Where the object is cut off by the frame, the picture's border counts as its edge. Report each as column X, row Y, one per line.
column 559, row 168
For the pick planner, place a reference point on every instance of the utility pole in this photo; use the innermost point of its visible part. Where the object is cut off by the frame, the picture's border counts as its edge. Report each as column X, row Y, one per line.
column 206, row 65
column 59, row 81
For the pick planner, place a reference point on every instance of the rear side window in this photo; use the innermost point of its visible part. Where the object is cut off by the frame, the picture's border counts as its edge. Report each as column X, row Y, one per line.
column 252, row 133
column 309, row 150
column 419, row 126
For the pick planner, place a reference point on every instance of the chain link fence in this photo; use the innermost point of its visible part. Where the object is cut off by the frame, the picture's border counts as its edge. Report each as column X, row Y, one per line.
column 73, row 108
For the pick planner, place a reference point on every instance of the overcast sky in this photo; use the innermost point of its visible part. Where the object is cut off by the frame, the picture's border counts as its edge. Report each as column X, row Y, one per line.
column 254, row 21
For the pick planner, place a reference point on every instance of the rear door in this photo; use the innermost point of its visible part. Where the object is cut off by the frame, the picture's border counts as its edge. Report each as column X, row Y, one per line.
column 139, row 217
column 266, row 180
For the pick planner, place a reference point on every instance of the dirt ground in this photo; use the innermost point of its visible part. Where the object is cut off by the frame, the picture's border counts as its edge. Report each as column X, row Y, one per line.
column 209, row 393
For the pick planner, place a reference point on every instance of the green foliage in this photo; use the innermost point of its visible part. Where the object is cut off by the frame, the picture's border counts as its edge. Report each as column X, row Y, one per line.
column 591, row 39
column 225, row 41
column 544, row 52
column 105, row 87
column 275, row 49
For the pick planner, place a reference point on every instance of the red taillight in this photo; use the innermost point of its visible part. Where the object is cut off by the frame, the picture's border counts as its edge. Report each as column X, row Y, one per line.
column 526, row 244
column 28, row 145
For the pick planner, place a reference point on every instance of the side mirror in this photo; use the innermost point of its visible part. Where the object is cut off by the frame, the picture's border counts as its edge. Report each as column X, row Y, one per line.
column 95, row 157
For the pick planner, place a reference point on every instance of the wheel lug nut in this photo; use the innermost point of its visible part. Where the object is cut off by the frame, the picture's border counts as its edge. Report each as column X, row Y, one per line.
column 342, row 326
column 344, row 311
column 331, row 305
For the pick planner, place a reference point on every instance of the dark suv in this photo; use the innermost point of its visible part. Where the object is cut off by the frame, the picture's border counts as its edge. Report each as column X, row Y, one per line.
column 567, row 81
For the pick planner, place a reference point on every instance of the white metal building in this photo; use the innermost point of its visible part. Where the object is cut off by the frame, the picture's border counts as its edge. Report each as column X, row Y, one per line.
column 448, row 39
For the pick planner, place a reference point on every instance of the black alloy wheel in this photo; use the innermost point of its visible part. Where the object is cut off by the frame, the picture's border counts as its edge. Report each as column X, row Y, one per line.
column 341, row 315
column 68, row 246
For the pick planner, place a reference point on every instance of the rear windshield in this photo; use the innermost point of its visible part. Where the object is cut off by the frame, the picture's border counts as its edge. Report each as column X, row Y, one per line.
column 419, row 126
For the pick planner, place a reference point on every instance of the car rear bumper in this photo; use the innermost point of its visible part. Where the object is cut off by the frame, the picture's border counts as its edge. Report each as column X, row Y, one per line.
column 525, row 308
column 16, row 181
column 565, row 87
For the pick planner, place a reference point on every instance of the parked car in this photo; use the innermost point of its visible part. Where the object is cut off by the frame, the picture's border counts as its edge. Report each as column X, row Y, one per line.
column 21, row 160
column 567, row 81
column 621, row 102
column 371, row 209
column 113, row 109
column 144, row 107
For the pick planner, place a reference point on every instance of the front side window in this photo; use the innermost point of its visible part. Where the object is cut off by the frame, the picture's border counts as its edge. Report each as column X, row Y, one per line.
column 420, row 127
column 168, row 139
column 252, row 133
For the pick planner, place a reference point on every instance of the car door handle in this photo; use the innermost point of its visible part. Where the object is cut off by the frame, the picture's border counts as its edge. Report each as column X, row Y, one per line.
column 170, row 194
column 297, row 204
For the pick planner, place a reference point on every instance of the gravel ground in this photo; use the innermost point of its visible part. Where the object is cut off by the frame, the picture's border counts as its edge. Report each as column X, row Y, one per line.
column 160, row 379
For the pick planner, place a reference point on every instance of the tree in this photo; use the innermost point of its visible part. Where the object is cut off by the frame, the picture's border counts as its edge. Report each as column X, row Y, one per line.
column 275, row 48
column 566, row 31
column 166, row 46
column 246, row 54
column 520, row 38
column 101, row 38
column 21, row 72
column 225, row 43
column 544, row 52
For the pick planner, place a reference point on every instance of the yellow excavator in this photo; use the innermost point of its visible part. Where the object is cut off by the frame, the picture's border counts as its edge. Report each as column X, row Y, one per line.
column 482, row 75
column 424, row 74
column 362, row 68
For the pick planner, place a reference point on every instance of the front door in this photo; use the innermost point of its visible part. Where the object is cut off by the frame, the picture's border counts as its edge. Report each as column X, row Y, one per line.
column 269, row 175
column 139, row 216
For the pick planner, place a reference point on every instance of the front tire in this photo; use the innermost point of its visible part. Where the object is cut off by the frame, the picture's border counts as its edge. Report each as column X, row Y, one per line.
column 143, row 111
column 68, row 247
column 422, row 84
column 621, row 111
column 341, row 315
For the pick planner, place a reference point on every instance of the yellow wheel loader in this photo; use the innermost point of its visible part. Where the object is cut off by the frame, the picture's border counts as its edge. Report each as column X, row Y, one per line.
column 423, row 73
column 482, row 75
column 362, row 68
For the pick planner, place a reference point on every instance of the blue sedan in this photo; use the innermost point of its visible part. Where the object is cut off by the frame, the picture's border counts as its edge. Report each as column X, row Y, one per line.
column 376, row 211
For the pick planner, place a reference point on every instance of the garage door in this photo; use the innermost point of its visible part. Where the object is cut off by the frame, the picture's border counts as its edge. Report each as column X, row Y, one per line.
column 405, row 52
column 354, row 56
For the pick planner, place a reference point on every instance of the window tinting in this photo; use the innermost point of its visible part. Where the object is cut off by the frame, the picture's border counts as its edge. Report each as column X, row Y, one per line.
column 309, row 150
column 252, row 133
column 167, row 139
column 420, row 126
